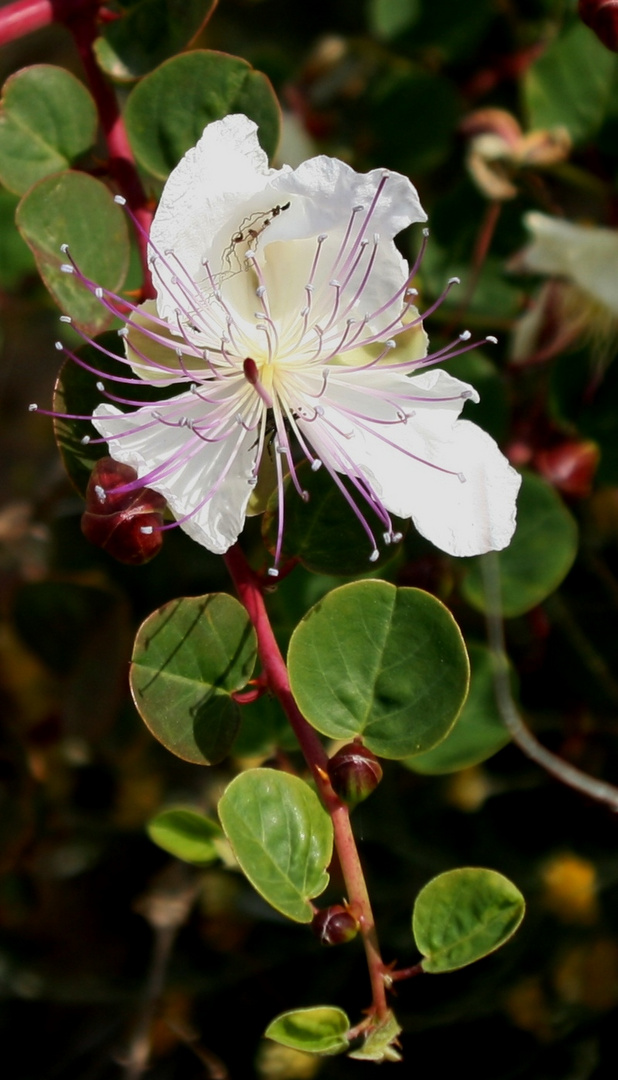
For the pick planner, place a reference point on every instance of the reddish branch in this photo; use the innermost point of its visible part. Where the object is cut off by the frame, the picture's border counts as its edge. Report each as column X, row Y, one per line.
column 250, row 591
column 81, row 19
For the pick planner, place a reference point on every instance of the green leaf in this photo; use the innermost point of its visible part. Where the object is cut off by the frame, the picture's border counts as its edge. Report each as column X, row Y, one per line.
column 479, row 731
column 282, row 837
column 539, row 556
column 168, row 110
column 17, row 260
column 570, row 85
column 463, row 915
column 148, row 33
column 378, row 1046
column 318, row 1030
column 324, row 532
column 387, row 18
column 186, row 834
column 189, row 657
column 75, row 209
column 401, row 91
column 382, row 663
column 47, row 121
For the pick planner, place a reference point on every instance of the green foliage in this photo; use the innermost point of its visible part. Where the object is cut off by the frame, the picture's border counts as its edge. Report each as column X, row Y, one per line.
column 187, row 835
column 539, row 556
column 388, row 18
column 383, row 663
column 189, row 658
column 282, row 837
column 479, row 731
column 463, row 915
column 168, row 109
column 48, row 121
column 324, row 533
column 97, row 237
column 570, row 85
column 319, row 1030
column 149, row 32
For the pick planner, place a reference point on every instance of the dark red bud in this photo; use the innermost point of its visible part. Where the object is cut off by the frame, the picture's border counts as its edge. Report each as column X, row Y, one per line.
column 335, row 925
column 570, row 467
column 602, row 17
column 115, row 519
column 354, row 773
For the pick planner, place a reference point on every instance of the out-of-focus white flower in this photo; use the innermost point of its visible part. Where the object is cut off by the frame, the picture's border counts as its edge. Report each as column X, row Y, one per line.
column 582, row 298
column 284, row 314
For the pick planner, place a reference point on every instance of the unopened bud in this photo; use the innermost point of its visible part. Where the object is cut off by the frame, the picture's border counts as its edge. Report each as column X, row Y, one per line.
column 335, row 925
column 123, row 520
column 354, row 773
column 570, row 467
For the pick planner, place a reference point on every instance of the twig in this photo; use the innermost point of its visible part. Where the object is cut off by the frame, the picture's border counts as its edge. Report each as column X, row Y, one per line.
column 598, row 790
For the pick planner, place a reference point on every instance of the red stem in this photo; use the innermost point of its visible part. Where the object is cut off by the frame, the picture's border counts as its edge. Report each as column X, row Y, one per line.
column 249, row 588
column 121, row 165
column 26, row 16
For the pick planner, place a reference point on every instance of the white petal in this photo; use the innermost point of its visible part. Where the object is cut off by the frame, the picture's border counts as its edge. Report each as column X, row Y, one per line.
column 446, row 474
column 217, row 524
column 585, row 255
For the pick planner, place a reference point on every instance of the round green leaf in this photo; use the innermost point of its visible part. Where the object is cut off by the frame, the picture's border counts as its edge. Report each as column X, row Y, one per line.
column 186, row 834
column 47, row 121
column 479, row 731
column 189, row 657
column 571, row 84
column 539, row 556
column 148, row 33
column 168, row 110
column 282, row 837
column 388, row 18
column 318, row 1030
column 463, row 915
column 75, row 209
column 324, row 532
column 383, row 663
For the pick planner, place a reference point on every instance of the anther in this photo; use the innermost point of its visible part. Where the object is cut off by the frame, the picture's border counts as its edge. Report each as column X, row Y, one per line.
column 410, row 292
column 58, row 345
column 260, row 291
column 304, row 496
column 64, row 249
column 335, row 284
column 322, row 237
column 85, row 440
column 66, row 268
column 98, row 292
column 465, row 335
column 147, row 530
column 375, row 555
column 492, row 340
column 100, row 493
column 466, row 394
column 123, row 332
column 425, row 233
column 101, row 387
column 454, row 281
column 396, row 537
column 316, row 464
column 120, row 199
column 390, row 344
column 273, row 572
column 65, row 318
column 357, row 209
column 33, row 407
column 461, row 477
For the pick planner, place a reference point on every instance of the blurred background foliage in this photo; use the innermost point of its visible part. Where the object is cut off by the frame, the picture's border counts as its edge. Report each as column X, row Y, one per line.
column 494, row 108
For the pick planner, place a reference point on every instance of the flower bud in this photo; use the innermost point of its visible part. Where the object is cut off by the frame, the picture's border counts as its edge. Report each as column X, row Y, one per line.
column 570, row 467
column 125, row 523
column 335, row 925
column 354, row 773
column 602, row 17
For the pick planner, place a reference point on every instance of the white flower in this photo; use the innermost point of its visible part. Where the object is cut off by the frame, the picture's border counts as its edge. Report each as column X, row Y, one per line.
column 284, row 316
column 584, row 298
